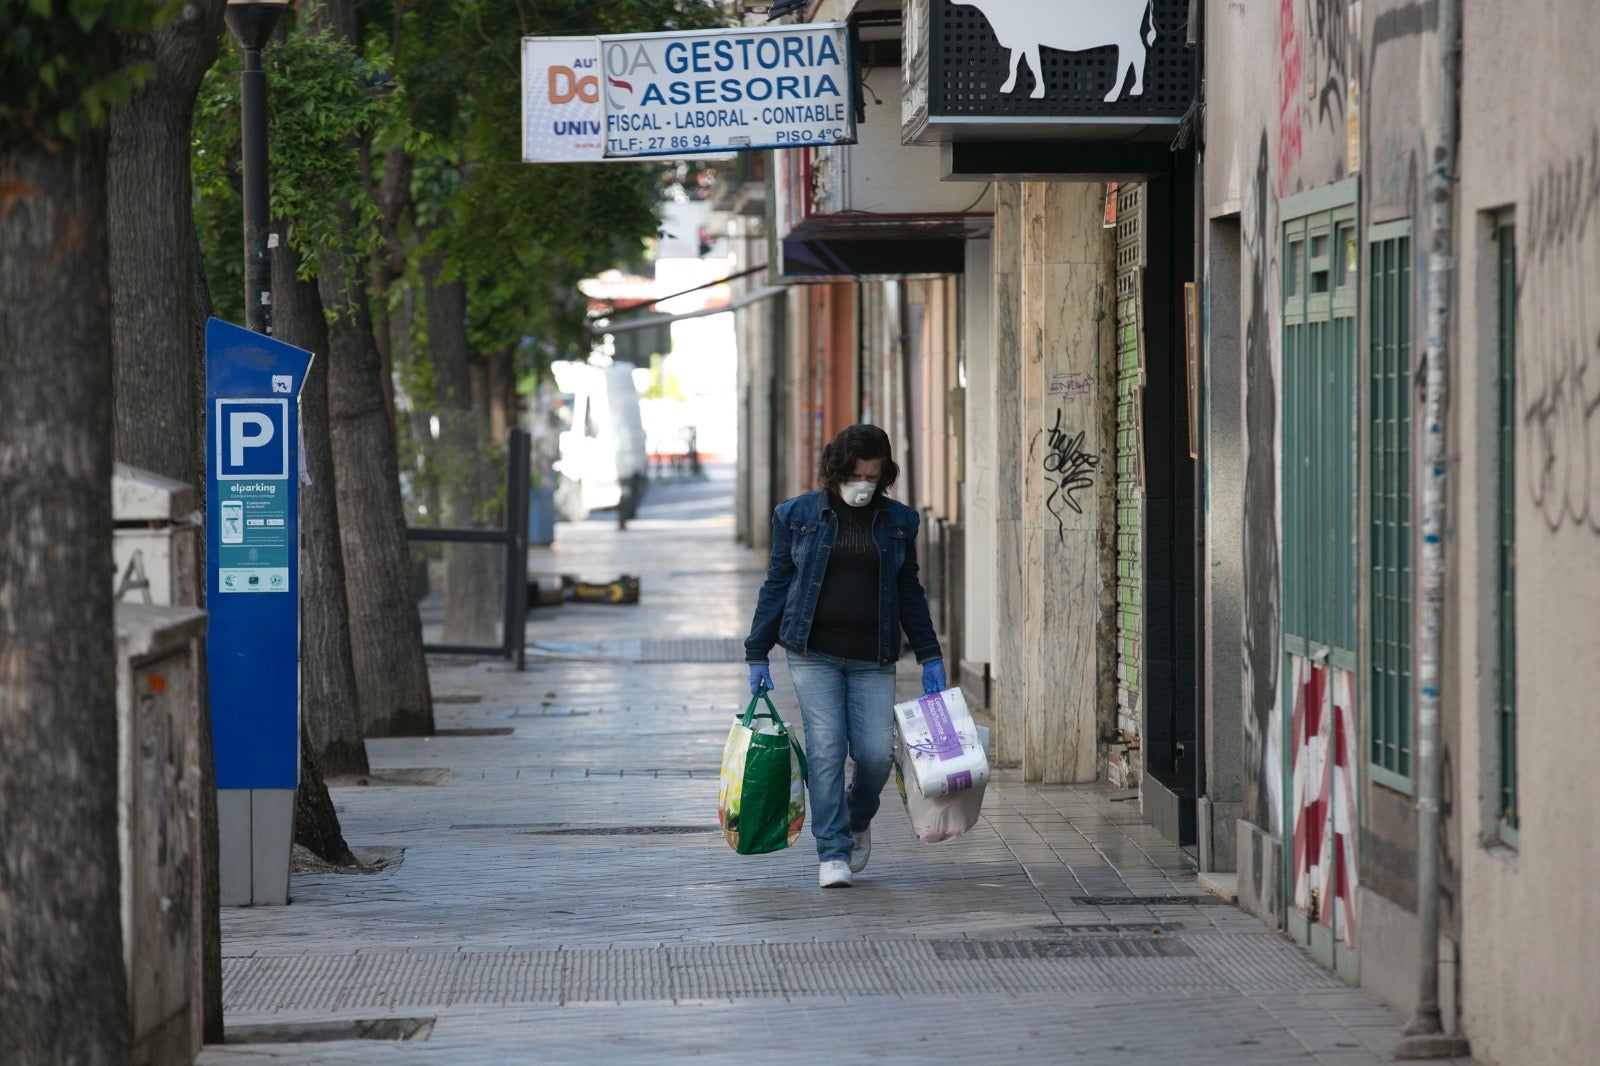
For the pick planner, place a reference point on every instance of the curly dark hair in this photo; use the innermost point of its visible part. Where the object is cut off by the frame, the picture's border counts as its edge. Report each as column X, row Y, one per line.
column 856, row 442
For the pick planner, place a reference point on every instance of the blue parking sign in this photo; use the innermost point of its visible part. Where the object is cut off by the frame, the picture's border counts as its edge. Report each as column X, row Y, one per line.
column 253, row 387
column 252, row 439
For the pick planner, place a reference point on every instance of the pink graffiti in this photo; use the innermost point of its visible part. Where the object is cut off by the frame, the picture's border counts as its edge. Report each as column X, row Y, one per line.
column 1289, row 74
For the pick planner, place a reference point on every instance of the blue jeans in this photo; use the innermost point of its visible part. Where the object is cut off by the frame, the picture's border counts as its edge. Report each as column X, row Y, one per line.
column 846, row 709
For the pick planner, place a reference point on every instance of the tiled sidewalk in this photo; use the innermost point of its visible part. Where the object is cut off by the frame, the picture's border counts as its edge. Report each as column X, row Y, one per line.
column 564, row 893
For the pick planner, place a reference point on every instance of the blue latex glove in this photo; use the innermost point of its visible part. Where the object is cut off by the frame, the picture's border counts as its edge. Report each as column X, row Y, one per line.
column 760, row 678
column 933, row 677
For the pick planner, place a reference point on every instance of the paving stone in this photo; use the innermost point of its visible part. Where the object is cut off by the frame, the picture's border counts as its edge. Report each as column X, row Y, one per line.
column 563, row 893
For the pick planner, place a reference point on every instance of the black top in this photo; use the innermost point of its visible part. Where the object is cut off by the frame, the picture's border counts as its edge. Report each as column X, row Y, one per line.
column 845, row 622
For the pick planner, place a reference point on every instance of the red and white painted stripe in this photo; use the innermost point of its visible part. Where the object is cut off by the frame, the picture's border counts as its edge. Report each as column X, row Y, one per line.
column 1324, row 795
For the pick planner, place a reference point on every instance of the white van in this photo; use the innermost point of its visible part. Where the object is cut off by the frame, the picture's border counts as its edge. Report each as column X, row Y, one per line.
column 602, row 462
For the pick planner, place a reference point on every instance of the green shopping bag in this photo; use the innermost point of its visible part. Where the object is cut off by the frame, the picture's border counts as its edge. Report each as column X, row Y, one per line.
column 761, row 800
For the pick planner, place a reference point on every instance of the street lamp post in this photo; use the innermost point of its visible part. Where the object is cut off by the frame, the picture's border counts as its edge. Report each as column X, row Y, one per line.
column 253, row 638
column 252, row 22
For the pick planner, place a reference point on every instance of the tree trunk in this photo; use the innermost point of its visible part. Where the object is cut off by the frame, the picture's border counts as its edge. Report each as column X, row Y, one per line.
column 415, row 436
column 210, row 872
column 380, row 580
column 63, row 989
column 418, row 412
column 502, row 369
column 474, row 585
column 200, row 313
column 159, row 348
column 316, row 823
column 151, row 222
column 328, row 702
column 482, row 396
column 393, row 197
column 380, row 583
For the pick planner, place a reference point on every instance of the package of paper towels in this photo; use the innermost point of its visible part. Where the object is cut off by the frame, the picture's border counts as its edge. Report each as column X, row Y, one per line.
column 941, row 743
column 940, row 817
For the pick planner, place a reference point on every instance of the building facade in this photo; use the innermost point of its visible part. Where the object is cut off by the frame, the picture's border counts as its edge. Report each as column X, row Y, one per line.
column 1148, row 302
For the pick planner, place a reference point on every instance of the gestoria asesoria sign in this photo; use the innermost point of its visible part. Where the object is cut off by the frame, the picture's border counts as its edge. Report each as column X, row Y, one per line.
column 726, row 90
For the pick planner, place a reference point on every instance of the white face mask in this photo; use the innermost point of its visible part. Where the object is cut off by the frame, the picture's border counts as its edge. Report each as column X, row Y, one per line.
column 857, row 493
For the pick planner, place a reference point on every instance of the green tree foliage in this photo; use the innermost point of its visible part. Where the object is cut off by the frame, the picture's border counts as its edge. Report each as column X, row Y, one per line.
column 322, row 97
column 520, row 235
column 441, row 160
column 59, row 65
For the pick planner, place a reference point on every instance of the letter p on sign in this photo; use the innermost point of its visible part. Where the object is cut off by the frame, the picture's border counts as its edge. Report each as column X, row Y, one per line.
column 251, row 429
column 252, row 439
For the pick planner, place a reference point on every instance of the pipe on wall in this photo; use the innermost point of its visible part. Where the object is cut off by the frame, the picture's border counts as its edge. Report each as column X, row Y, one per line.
column 1425, row 1037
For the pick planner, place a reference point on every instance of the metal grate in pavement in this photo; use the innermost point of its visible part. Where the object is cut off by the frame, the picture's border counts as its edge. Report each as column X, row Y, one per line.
column 319, row 1032
column 1080, row 928
column 671, row 650
column 540, row 829
column 676, row 972
column 1075, row 948
column 1207, row 900
column 624, row 831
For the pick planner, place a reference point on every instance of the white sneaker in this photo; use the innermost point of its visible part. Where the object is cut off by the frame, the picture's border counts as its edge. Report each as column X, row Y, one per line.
column 860, row 849
column 834, row 874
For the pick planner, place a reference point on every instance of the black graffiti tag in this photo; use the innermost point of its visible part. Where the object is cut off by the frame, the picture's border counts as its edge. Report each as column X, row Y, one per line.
column 1564, row 441
column 1558, row 340
column 1260, row 559
column 1329, row 23
column 1070, row 469
column 1071, row 384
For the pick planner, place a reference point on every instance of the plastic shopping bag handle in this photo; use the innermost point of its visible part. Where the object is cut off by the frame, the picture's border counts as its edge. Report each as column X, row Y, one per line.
column 771, row 712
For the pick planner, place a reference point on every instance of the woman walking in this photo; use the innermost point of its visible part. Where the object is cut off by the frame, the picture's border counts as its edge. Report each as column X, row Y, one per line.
column 840, row 589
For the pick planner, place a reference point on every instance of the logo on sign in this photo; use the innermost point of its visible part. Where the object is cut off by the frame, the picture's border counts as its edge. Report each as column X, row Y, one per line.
column 1021, row 29
column 253, row 439
column 567, row 85
column 620, row 90
column 282, row 383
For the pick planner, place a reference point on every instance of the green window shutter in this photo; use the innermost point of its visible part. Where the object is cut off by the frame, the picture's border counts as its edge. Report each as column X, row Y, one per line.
column 1320, row 262
column 1389, row 503
column 1505, row 474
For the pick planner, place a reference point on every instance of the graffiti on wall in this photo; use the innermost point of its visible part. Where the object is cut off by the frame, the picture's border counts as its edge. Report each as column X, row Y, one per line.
column 1069, row 469
column 1558, row 340
column 1401, row 23
column 1324, row 732
column 1071, row 384
column 1317, row 83
column 1392, row 169
column 1328, row 34
column 1263, row 778
column 1290, row 71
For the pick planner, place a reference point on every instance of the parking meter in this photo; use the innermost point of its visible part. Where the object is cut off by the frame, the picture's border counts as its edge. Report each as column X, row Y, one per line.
column 253, row 596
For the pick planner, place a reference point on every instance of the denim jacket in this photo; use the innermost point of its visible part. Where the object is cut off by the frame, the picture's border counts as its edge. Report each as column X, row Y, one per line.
column 803, row 529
